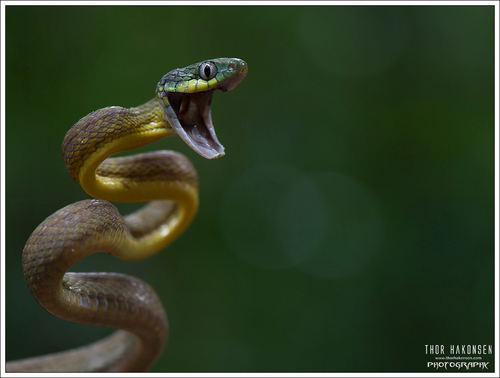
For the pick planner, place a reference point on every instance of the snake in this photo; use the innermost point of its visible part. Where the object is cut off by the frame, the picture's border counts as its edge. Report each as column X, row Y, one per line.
column 166, row 180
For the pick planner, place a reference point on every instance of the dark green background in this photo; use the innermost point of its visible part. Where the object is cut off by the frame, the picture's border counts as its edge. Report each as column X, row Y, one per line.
column 350, row 222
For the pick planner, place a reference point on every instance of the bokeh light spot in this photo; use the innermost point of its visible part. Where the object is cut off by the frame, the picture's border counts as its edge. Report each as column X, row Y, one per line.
column 344, row 225
column 325, row 224
column 250, row 212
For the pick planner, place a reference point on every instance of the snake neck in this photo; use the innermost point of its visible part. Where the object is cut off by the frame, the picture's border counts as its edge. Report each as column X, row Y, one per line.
column 153, row 176
column 106, row 132
column 100, row 128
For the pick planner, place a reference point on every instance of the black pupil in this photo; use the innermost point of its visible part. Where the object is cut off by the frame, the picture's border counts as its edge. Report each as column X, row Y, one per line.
column 207, row 70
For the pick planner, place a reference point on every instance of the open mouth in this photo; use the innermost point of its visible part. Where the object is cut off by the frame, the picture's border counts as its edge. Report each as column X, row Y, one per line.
column 193, row 122
column 187, row 106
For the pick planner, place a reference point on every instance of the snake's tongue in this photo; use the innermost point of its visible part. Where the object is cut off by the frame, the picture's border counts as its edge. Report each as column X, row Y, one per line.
column 193, row 122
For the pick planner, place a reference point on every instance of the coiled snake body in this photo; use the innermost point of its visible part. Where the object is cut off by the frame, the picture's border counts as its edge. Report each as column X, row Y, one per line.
column 168, row 179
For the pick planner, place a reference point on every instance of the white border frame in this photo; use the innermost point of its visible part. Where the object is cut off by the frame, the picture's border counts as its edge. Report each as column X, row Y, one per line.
column 255, row 3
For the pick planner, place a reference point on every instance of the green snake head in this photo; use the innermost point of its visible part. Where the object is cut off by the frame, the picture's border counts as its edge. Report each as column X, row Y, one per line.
column 185, row 95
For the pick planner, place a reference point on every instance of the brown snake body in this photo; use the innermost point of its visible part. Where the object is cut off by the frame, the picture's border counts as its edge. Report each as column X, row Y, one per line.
column 168, row 179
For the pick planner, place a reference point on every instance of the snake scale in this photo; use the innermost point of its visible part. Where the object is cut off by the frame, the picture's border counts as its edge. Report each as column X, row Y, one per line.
column 165, row 179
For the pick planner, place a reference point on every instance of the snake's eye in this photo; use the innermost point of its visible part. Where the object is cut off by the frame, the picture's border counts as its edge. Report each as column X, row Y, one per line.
column 207, row 70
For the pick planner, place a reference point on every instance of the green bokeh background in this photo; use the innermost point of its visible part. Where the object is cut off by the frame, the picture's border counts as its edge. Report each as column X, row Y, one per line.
column 349, row 224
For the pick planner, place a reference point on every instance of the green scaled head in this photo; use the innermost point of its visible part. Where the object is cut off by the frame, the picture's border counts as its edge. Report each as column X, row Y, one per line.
column 185, row 95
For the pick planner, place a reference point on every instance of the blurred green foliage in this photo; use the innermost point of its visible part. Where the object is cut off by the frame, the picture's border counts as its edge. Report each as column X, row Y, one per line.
column 350, row 222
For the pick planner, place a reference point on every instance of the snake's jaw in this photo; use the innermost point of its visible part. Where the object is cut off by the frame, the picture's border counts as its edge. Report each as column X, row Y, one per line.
column 189, row 115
